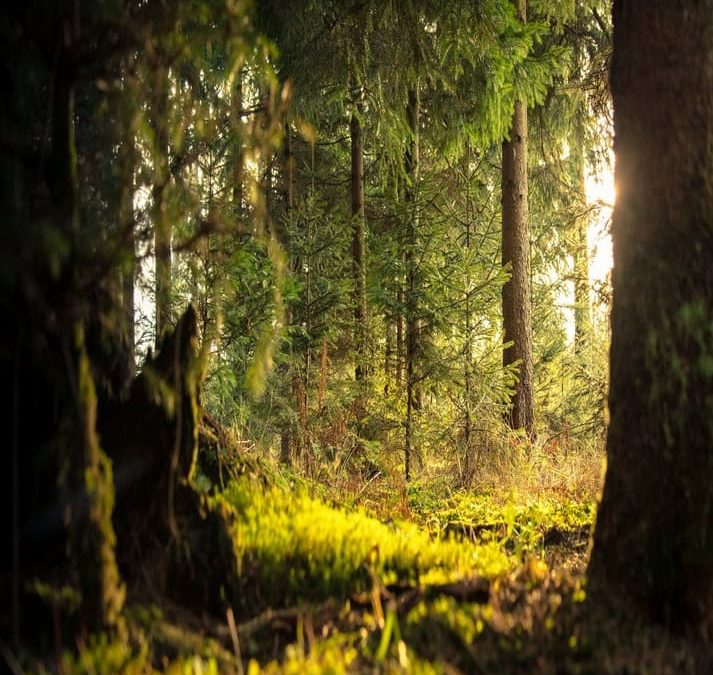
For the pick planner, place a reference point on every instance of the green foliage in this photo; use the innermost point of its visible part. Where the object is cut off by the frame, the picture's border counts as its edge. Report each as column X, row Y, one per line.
column 517, row 523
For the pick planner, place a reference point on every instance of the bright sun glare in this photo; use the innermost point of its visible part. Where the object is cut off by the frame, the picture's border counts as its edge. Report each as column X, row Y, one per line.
column 600, row 192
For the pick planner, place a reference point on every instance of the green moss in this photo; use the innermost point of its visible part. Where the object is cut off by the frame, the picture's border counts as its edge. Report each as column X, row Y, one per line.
column 94, row 540
column 516, row 523
column 298, row 548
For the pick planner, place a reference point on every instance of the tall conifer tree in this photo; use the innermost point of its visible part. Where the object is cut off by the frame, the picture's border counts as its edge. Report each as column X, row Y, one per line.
column 517, row 303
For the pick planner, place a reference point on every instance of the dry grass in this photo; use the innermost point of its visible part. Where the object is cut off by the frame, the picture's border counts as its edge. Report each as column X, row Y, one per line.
column 574, row 471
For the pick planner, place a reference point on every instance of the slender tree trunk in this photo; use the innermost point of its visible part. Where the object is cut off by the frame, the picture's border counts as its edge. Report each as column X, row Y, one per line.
column 127, row 224
column 286, row 442
column 582, row 305
column 653, row 549
column 389, row 352
column 400, row 332
column 411, row 162
column 358, row 250
column 517, row 303
column 237, row 158
column 161, row 220
column 582, row 311
column 288, row 172
column 468, row 343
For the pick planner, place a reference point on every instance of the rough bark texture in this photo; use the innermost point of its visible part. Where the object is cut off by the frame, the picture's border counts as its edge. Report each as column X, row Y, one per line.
column 653, row 545
column 358, row 247
column 517, row 302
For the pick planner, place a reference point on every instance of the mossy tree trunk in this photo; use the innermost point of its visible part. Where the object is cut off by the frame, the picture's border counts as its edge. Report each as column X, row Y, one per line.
column 517, row 302
column 88, row 471
column 92, row 538
column 653, row 548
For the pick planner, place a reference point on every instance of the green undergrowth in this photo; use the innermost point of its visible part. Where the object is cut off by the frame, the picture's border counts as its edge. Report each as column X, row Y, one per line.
column 293, row 547
column 329, row 588
column 520, row 523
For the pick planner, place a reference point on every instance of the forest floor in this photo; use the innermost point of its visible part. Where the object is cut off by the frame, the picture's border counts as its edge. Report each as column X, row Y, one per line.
column 363, row 575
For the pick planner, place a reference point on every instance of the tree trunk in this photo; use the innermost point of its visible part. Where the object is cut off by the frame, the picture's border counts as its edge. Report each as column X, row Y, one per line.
column 517, row 304
column 411, row 319
column 400, row 332
column 653, row 548
column 92, row 538
column 161, row 221
column 127, row 223
column 358, row 249
column 580, row 248
column 582, row 310
column 468, row 343
column 288, row 165
column 91, row 534
column 236, row 103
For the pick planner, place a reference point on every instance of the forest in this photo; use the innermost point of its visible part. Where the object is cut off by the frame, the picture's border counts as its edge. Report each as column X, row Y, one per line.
column 329, row 345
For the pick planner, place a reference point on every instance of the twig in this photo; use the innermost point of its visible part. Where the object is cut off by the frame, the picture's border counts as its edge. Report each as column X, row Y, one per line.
column 367, row 484
column 236, row 639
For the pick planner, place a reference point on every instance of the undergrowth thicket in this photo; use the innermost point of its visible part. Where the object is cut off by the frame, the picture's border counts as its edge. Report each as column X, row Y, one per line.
column 367, row 575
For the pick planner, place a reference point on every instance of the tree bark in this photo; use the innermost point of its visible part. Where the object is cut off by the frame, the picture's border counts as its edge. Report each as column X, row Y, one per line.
column 236, row 105
column 411, row 163
column 358, row 248
column 468, row 343
column 91, row 533
column 400, row 332
column 582, row 310
column 516, row 297
column 127, row 223
column 161, row 221
column 580, row 248
column 653, row 548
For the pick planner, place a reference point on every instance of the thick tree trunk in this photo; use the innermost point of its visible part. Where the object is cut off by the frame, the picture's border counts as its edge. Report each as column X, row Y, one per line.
column 161, row 221
column 517, row 303
column 411, row 319
column 653, row 548
column 91, row 534
column 358, row 248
